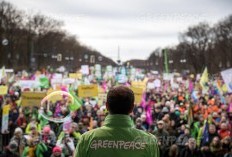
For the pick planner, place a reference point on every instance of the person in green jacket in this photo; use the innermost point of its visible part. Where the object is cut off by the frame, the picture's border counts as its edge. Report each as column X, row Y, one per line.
column 118, row 137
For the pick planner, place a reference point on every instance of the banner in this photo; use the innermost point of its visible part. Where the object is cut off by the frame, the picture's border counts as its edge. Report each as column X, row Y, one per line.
column 5, row 118
column 3, row 90
column 32, row 98
column 87, row 91
column 138, row 92
column 227, row 77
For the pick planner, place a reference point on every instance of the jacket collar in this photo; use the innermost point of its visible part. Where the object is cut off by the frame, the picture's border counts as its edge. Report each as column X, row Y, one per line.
column 118, row 120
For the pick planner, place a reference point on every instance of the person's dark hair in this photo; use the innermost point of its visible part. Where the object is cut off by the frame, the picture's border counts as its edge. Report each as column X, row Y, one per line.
column 120, row 100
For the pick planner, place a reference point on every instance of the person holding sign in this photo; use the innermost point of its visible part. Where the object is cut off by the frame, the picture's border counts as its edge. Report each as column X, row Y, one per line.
column 118, row 137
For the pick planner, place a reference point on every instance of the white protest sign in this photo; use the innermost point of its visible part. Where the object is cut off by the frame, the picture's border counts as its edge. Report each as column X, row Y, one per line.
column 85, row 69
column 227, row 77
column 157, row 83
column 29, row 84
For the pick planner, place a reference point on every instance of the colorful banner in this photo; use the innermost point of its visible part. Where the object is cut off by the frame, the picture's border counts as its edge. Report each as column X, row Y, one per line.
column 5, row 118
column 3, row 90
column 87, row 91
column 138, row 92
column 32, row 98
column 227, row 77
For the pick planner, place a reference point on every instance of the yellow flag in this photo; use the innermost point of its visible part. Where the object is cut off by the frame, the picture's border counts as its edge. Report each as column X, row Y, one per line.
column 204, row 79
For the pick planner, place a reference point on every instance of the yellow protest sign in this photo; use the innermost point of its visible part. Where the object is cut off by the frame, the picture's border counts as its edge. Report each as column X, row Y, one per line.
column 138, row 92
column 5, row 110
column 3, row 90
column 32, row 98
column 87, row 91
column 77, row 75
column 139, row 84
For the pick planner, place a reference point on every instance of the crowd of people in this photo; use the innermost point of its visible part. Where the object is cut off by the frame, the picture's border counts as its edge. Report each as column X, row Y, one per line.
column 187, row 119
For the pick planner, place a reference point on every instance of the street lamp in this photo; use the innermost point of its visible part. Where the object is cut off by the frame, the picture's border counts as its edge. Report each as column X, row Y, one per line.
column 71, row 58
column 183, row 60
column 170, row 61
column 5, row 42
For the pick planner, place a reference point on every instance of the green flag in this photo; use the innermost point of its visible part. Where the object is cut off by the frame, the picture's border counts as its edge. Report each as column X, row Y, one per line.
column 77, row 102
column 44, row 82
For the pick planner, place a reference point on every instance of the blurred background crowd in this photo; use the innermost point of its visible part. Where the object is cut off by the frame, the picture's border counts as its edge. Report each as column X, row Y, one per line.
column 189, row 115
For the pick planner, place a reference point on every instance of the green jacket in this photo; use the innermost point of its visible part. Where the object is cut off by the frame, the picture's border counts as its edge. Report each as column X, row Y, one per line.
column 117, row 138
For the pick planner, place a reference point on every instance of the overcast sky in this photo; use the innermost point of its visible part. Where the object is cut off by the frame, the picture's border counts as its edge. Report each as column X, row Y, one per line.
column 137, row 26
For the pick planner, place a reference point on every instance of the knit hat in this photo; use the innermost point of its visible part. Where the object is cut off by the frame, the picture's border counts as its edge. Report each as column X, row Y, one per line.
column 57, row 149
column 46, row 129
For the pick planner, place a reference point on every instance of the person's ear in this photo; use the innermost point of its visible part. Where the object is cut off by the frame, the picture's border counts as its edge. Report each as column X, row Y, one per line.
column 131, row 108
column 107, row 107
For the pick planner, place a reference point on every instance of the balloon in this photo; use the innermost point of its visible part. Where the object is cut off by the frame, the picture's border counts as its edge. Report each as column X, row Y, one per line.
column 52, row 116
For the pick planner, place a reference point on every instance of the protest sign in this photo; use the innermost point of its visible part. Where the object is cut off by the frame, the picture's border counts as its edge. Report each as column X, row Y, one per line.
column 77, row 75
column 227, row 77
column 57, row 76
column 88, row 90
column 150, row 85
column 67, row 81
column 32, row 98
column 138, row 92
column 29, row 84
column 102, row 95
column 5, row 118
column 85, row 69
column 139, row 84
column 3, row 90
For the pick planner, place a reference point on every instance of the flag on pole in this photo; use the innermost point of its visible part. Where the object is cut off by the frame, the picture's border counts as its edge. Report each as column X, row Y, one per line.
column 3, row 72
column 190, row 115
column 204, row 79
column 44, row 82
column 205, row 137
column 77, row 102
column 166, row 60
